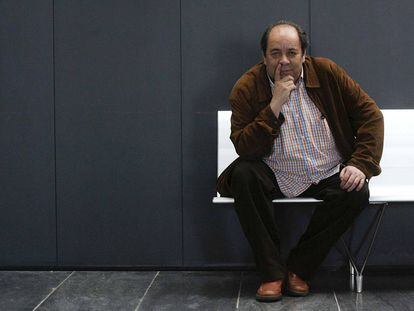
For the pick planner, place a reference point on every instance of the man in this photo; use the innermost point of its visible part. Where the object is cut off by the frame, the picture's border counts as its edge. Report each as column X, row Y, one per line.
column 301, row 127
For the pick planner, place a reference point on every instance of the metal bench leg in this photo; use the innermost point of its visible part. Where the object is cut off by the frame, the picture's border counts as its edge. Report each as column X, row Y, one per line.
column 351, row 276
column 359, row 279
column 356, row 277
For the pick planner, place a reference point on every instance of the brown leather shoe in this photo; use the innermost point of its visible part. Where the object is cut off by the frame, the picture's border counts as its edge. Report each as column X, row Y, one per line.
column 295, row 286
column 270, row 291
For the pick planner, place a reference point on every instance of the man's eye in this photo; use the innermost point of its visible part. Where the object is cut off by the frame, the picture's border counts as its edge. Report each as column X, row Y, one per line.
column 292, row 53
column 275, row 53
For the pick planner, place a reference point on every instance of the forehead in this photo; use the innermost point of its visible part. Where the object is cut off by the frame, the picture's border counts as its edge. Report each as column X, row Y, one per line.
column 283, row 36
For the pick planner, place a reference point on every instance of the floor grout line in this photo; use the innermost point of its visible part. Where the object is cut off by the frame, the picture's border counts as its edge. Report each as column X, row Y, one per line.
column 336, row 299
column 53, row 290
column 238, row 294
column 149, row 286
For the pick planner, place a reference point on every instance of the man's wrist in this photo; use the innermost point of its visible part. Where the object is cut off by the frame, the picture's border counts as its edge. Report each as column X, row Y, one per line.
column 276, row 108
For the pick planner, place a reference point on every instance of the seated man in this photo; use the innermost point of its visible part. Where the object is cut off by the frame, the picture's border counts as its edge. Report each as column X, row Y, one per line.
column 301, row 127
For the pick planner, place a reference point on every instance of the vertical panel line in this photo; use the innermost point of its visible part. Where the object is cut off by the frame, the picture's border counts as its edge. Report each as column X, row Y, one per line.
column 54, row 131
column 310, row 27
column 181, row 141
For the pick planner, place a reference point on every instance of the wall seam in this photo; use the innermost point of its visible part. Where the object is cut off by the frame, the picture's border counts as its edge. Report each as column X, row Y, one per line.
column 54, row 131
column 181, row 141
column 310, row 27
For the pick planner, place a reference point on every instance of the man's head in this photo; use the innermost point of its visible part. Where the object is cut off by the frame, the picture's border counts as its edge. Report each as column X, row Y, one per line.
column 284, row 43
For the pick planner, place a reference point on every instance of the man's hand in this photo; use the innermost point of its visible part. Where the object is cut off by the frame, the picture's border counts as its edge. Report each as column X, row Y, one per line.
column 351, row 177
column 281, row 93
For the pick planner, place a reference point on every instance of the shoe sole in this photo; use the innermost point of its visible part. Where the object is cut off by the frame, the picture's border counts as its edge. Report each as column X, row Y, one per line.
column 292, row 293
column 268, row 298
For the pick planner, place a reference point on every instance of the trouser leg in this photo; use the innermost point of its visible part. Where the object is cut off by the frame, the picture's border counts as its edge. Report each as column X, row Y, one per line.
column 253, row 186
column 329, row 221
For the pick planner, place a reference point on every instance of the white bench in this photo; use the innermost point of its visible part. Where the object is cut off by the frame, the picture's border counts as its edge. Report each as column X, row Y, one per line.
column 394, row 184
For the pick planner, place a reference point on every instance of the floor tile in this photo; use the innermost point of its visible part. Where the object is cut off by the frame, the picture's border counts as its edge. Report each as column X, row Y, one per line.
column 23, row 290
column 380, row 292
column 195, row 290
column 100, row 290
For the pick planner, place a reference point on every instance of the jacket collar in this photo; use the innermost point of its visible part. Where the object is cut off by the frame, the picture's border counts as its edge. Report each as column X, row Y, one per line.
column 264, row 90
column 311, row 78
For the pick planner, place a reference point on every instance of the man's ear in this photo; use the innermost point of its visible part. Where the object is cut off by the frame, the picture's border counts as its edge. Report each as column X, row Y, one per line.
column 264, row 59
column 303, row 57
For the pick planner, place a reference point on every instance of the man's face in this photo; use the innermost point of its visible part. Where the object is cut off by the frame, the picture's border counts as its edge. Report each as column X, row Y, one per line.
column 283, row 47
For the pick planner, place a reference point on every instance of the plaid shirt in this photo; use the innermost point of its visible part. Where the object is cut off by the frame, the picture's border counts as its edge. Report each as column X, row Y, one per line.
column 304, row 152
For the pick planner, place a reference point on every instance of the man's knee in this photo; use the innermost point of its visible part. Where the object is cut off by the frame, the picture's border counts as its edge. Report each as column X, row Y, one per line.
column 253, row 177
column 244, row 172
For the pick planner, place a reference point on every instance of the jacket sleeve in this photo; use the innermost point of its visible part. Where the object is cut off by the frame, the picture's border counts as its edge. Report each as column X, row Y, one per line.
column 252, row 133
column 367, row 124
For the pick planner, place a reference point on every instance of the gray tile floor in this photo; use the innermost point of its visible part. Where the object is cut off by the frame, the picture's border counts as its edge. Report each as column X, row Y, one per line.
column 193, row 290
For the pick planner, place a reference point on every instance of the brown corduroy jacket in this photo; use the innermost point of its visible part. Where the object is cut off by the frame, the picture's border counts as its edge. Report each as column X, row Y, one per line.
column 355, row 120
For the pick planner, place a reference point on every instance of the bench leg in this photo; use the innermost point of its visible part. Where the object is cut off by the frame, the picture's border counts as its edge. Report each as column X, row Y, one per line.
column 359, row 279
column 351, row 276
column 356, row 277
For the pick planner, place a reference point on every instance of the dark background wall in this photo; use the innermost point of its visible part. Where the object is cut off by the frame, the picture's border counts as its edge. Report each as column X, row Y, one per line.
column 108, row 124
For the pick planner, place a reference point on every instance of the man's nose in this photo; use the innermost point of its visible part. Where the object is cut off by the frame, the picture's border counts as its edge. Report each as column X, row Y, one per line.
column 284, row 60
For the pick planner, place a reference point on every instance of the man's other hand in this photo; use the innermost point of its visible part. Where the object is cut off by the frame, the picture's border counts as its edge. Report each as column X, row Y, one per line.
column 351, row 178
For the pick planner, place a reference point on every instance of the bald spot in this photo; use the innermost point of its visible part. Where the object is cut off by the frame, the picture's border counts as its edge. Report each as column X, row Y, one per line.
column 284, row 36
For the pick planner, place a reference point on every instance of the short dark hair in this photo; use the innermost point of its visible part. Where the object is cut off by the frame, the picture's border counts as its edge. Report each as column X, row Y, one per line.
column 303, row 37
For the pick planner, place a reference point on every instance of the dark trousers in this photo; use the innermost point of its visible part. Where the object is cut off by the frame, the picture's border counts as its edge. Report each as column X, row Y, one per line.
column 254, row 186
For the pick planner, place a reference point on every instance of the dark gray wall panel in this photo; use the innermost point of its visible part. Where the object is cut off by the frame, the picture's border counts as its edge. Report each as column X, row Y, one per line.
column 27, row 202
column 118, row 132
column 220, row 41
column 393, row 245
column 372, row 40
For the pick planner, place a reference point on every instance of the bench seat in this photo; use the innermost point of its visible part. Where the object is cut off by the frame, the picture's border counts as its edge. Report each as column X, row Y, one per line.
column 373, row 199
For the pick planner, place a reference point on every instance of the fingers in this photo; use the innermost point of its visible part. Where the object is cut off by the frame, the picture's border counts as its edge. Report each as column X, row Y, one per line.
column 291, row 87
column 348, row 182
column 277, row 72
column 357, row 184
column 287, row 81
column 344, row 176
column 341, row 174
column 287, row 78
column 351, row 180
column 361, row 184
column 283, row 87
